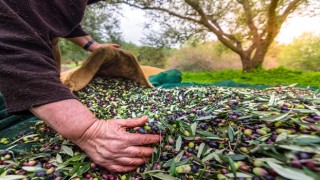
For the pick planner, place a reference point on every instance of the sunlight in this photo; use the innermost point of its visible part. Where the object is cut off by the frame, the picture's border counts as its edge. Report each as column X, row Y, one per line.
column 297, row 26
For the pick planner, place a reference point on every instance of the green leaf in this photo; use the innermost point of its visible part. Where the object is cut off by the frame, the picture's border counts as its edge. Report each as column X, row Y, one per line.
column 233, row 168
column 239, row 174
column 205, row 118
column 32, row 168
column 271, row 101
column 162, row 176
column 270, row 160
column 313, row 109
column 76, row 158
column 194, row 128
column 59, row 159
column 208, row 134
column 201, row 147
column 13, row 177
column 301, row 148
column 237, row 157
column 168, row 163
column 310, row 173
column 306, row 140
column 281, row 117
column 210, row 157
column 180, row 163
column 172, row 170
column 291, row 173
column 178, row 143
column 28, row 136
column 83, row 169
column 67, row 150
column 281, row 137
column 155, row 155
column 230, row 134
column 178, row 157
column 74, row 170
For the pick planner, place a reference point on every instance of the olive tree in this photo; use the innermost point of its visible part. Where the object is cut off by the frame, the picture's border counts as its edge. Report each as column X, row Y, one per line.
column 247, row 27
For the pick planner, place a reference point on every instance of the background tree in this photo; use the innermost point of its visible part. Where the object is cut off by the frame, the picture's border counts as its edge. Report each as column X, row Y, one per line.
column 303, row 53
column 247, row 27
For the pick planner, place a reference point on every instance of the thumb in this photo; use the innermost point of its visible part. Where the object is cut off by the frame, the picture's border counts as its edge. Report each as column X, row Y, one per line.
column 134, row 122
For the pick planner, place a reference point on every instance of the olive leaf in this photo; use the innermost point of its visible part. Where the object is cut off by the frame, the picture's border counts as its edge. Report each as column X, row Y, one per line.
column 163, row 176
column 67, row 150
column 59, row 158
column 178, row 144
column 32, row 168
column 233, row 168
column 178, row 157
column 239, row 175
column 13, row 177
column 230, row 134
column 201, row 147
column 311, row 173
column 272, row 99
column 289, row 173
column 172, row 169
column 282, row 117
column 194, row 128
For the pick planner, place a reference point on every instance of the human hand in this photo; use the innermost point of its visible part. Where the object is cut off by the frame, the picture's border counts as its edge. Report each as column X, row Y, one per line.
column 96, row 45
column 109, row 145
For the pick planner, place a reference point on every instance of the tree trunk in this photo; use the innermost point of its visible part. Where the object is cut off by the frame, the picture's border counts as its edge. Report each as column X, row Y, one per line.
column 250, row 64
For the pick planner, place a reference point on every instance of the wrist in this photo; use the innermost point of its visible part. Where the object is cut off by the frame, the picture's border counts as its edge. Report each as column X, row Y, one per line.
column 94, row 46
column 88, row 44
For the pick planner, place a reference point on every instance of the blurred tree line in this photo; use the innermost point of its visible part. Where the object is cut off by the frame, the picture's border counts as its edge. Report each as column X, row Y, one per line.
column 101, row 21
column 196, row 53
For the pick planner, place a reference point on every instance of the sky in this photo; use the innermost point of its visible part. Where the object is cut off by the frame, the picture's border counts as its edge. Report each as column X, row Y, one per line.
column 133, row 20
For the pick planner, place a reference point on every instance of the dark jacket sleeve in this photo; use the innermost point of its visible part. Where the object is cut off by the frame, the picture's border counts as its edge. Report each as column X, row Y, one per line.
column 93, row 1
column 28, row 74
column 77, row 32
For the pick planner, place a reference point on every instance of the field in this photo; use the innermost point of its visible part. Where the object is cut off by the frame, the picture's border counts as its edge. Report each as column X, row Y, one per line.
column 278, row 76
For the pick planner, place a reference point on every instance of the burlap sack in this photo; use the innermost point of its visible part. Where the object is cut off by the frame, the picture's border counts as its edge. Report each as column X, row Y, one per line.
column 111, row 62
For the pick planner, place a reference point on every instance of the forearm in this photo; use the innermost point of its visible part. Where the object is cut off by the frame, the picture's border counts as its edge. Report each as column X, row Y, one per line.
column 69, row 117
column 83, row 40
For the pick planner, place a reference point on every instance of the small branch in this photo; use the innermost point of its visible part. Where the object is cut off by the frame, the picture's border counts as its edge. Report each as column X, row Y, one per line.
column 291, row 7
column 248, row 14
column 163, row 10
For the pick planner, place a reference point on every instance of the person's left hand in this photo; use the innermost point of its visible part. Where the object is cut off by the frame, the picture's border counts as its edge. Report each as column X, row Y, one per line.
column 96, row 45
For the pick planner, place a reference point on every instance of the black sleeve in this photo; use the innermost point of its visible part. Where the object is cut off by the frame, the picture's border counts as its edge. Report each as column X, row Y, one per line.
column 77, row 32
column 28, row 74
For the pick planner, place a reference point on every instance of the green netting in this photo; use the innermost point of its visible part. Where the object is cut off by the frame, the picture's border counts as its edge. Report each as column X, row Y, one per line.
column 172, row 79
column 13, row 125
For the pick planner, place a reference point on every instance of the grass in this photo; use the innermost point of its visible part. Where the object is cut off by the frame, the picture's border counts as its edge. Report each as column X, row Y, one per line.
column 268, row 77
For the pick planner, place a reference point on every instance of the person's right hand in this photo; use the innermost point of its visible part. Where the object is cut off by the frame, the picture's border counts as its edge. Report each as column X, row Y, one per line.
column 109, row 145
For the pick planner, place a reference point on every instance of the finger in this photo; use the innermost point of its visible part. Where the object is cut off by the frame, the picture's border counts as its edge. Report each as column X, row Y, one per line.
column 142, row 139
column 138, row 151
column 133, row 122
column 116, row 45
column 132, row 161
column 119, row 168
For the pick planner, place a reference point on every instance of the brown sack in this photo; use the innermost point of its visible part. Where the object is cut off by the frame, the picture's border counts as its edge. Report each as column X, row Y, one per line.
column 111, row 62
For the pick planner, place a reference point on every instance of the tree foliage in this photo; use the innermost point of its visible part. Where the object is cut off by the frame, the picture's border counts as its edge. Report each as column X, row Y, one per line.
column 303, row 53
column 247, row 27
column 101, row 21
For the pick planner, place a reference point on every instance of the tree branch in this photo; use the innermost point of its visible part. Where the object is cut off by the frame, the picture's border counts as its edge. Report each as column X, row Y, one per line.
column 248, row 14
column 163, row 10
column 272, row 23
column 291, row 7
column 218, row 32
